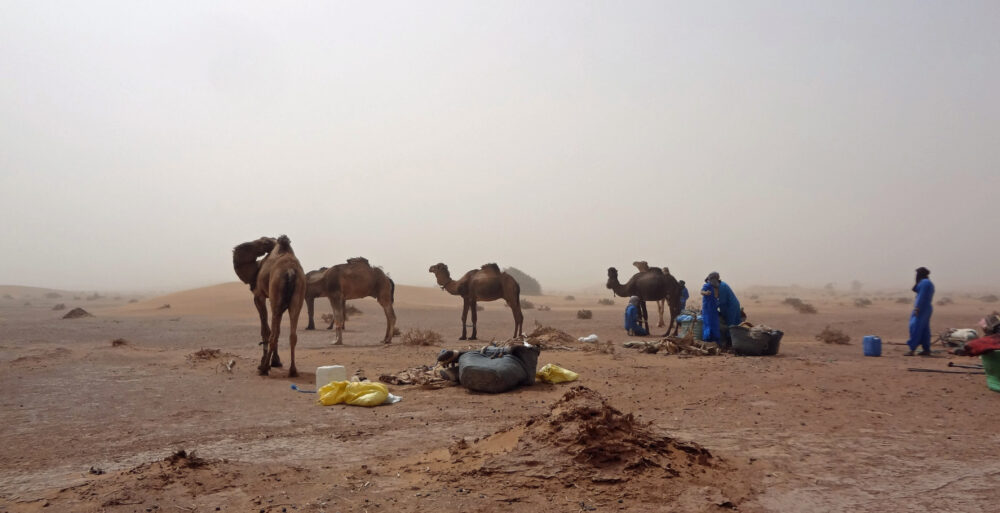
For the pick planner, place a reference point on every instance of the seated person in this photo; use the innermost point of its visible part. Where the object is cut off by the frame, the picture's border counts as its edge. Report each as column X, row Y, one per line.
column 632, row 325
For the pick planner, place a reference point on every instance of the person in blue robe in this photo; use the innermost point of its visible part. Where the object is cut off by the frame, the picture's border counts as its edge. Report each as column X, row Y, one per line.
column 920, row 319
column 710, row 310
column 632, row 325
column 684, row 294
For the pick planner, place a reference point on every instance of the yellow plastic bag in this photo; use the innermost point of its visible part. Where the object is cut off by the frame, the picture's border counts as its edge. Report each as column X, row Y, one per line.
column 353, row 392
column 555, row 374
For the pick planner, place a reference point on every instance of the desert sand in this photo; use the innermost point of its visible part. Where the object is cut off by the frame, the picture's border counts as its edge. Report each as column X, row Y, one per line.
column 145, row 424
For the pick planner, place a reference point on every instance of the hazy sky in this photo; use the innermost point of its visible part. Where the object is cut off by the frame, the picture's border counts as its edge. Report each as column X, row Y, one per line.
column 775, row 142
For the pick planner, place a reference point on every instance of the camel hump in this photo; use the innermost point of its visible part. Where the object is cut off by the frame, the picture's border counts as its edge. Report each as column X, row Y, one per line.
column 491, row 267
column 656, row 270
column 284, row 244
column 358, row 260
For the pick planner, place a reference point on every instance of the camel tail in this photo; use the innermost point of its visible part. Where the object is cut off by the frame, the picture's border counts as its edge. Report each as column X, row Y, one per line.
column 288, row 291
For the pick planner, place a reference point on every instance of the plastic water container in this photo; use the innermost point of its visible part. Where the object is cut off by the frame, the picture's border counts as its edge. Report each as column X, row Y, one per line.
column 991, row 365
column 872, row 345
column 324, row 375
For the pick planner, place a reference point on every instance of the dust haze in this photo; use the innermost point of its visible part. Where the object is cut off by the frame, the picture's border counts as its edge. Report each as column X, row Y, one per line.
column 774, row 142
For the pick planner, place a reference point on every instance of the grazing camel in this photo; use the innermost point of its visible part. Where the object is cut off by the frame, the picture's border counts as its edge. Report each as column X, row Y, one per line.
column 314, row 289
column 354, row 280
column 280, row 278
column 649, row 286
column 484, row 284
column 673, row 299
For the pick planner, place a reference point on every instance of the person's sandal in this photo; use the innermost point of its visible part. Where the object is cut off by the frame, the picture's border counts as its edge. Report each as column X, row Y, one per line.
column 924, row 353
column 909, row 353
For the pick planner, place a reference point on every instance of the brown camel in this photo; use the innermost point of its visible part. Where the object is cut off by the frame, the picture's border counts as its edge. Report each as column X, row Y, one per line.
column 484, row 284
column 648, row 286
column 280, row 278
column 354, row 280
column 673, row 299
column 314, row 288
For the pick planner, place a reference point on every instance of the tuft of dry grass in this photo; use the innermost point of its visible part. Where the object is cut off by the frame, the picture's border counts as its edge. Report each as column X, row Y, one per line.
column 205, row 354
column 605, row 301
column 569, row 298
column 943, row 301
column 800, row 306
column 903, row 300
column 584, row 314
column 603, row 347
column 862, row 302
column 418, row 337
column 164, row 307
column 543, row 308
column 395, row 331
column 989, row 298
column 833, row 336
column 60, row 306
column 527, row 305
column 118, row 342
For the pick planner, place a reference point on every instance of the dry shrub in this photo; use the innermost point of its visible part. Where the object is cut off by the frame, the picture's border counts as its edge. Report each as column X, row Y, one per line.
column 605, row 301
column 605, row 347
column 133, row 300
column 118, row 342
column 800, row 306
column 205, row 354
column 94, row 296
column 350, row 310
column 862, row 302
column 584, row 314
column 942, row 302
column 60, row 306
column 989, row 298
column 77, row 313
column 418, row 337
column 903, row 300
column 547, row 336
column 396, row 332
column 754, row 297
column 164, row 307
column 527, row 305
column 833, row 336
column 569, row 298
column 543, row 308
column 8, row 296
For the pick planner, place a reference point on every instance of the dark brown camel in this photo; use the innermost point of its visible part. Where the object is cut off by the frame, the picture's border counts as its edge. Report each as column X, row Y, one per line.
column 648, row 286
column 673, row 299
column 484, row 284
column 354, row 280
column 280, row 278
column 314, row 289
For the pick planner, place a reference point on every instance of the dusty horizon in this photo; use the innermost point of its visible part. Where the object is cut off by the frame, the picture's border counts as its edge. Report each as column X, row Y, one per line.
column 776, row 143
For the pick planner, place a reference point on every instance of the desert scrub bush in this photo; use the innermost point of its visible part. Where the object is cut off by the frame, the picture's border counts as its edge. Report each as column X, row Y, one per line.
column 584, row 314
column 605, row 301
column 418, row 337
column 833, row 336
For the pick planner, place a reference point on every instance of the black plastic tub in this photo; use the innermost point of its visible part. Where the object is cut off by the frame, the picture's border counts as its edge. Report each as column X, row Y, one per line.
column 758, row 343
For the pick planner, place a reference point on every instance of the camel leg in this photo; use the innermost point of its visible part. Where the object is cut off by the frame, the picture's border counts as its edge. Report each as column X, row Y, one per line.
column 645, row 314
column 309, row 312
column 659, row 307
column 272, row 345
column 261, row 303
column 293, row 322
column 518, row 320
column 465, row 315
column 390, row 320
column 475, row 319
column 338, row 304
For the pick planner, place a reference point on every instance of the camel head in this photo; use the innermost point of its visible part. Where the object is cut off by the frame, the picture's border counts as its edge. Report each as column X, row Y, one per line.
column 245, row 258
column 441, row 273
column 612, row 277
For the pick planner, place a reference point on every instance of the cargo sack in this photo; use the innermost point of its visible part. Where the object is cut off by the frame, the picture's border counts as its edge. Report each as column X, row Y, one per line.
column 498, row 369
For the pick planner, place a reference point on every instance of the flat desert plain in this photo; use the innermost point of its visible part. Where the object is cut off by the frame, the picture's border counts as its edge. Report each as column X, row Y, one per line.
column 145, row 424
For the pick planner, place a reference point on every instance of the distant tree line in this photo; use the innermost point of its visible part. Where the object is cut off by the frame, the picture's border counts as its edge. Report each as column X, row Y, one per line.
column 529, row 285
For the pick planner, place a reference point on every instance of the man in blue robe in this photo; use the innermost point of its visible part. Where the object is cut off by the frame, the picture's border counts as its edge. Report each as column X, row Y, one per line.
column 920, row 319
column 729, row 308
column 710, row 310
column 632, row 324
column 684, row 294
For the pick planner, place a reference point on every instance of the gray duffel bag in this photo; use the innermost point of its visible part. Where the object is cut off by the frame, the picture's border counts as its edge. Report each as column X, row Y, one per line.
column 498, row 369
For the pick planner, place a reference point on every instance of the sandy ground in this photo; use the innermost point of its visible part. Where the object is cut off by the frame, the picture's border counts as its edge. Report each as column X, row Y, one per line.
column 92, row 426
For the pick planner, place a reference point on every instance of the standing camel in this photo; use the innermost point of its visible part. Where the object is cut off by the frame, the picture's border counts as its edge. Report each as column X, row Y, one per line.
column 484, row 284
column 649, row 286
column 673, row 299
column 354, row 280
column 314, row 289
column 280, row 278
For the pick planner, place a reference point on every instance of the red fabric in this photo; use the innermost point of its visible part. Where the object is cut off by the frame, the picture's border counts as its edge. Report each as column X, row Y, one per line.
column 982, row 345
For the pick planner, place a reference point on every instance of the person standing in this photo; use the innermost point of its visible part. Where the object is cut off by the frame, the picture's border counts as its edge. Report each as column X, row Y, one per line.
column 729, row 309
column 684, row 294
column 710, row 310
column 632, row 325
column 920, row 319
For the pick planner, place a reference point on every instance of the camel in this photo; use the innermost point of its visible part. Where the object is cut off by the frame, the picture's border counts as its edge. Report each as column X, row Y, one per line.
column 484, row 284
column 354, row 280
column 280, row 278
column 673, row 295
column 649, row 286
column 314, row 289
